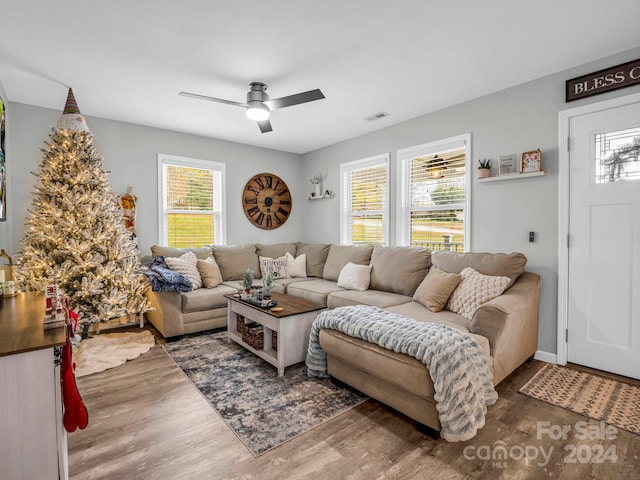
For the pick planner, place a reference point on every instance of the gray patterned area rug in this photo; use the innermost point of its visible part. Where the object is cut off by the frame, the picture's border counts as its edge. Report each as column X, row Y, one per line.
column 263, row 410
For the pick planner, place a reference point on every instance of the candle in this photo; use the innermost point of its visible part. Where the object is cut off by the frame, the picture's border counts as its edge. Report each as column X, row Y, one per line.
column 1, row 276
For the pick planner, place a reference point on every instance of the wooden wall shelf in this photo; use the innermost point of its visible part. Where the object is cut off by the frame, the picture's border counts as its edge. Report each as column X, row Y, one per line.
column 322, row 196
column 514, row 176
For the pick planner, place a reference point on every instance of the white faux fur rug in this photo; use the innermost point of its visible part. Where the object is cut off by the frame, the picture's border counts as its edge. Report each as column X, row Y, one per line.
column 109, row 350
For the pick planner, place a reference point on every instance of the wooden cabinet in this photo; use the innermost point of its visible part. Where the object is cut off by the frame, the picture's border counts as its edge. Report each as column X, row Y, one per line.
column 33, row 442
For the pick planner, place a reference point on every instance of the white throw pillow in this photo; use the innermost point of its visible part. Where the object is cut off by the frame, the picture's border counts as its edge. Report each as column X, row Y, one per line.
column 473, row 290
column 187, row 265
column 210, row 272
column 355, row 277
column 277, row 267
column 296, row 267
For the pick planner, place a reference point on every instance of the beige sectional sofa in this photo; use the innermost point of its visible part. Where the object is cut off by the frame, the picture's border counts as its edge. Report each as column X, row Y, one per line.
column 505, row 327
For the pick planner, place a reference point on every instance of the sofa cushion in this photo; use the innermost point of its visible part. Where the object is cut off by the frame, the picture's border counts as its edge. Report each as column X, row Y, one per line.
column 277, row 267
column 315, row 290
column 399, row 269
column 418, row 311
column 503, row 264
column 436, row 288
column 210, row 272
column 206, row 298
column 285, row 282
column 340, row 255
column 376, row 298
column 355, row 277
column 201, row 253
column 275, row 250
column 296, row 266
column 233, row 260
column 186, row 264
column 474, row 290
column 316, row 256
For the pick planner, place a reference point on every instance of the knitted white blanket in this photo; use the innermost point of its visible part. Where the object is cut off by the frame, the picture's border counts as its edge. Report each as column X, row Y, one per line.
column 462, row 382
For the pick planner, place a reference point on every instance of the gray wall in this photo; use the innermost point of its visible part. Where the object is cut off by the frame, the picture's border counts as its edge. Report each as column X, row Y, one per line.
column 130, row 153
column 502, row 213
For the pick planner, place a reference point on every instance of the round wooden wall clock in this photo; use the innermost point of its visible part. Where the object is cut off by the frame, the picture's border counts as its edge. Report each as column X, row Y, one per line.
column 266, row 201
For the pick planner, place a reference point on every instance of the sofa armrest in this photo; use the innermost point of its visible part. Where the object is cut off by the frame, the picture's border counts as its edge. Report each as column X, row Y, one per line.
column 166, row 315
column 510, row 323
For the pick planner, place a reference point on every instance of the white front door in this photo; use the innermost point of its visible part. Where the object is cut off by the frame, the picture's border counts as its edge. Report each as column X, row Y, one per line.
column 603, row 308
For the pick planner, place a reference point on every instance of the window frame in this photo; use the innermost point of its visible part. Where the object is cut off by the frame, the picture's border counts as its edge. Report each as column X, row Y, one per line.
column 346, row 226
column 404, row 157
column 219, row 215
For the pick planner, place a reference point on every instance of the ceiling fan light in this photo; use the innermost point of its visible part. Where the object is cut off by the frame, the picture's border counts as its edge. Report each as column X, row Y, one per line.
column 258, row 111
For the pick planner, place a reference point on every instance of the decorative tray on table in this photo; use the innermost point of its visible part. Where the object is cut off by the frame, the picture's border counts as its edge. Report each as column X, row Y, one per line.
column 260, row 304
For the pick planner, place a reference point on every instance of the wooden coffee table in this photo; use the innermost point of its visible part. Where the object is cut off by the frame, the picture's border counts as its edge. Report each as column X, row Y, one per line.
column 293, row 325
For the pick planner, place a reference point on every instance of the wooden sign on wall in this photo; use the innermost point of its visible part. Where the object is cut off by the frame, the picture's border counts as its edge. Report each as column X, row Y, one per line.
column 612, row 78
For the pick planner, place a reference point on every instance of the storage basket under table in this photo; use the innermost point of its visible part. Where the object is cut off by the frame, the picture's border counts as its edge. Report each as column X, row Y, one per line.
column 254, row 336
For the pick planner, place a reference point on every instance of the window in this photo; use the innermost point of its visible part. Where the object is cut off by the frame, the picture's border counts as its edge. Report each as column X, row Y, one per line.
column 617, row 156
column 434, row 192
column 364, row 200
column 191, row 192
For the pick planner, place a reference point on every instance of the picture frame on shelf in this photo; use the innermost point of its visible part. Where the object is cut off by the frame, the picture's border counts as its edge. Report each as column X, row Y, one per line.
column 508, row 165
column 531, row 161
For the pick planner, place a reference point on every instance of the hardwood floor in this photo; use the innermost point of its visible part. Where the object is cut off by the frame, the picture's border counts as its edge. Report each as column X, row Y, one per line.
column 147, row 421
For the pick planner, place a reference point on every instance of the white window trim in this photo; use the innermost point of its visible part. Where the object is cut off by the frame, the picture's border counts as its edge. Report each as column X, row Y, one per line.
column 404, row 188
column 346, row 233
column 220, row 233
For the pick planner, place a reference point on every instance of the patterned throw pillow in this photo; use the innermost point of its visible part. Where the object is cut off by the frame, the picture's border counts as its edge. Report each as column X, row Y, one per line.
column 186, row 265
column 296, row 267
column 210, row 272
column 277, row 267
column 474, row 290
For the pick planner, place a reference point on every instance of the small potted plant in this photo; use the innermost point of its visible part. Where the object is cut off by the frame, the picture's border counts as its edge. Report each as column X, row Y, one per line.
column 484, row 167
column 247, row 280
column 267, row 287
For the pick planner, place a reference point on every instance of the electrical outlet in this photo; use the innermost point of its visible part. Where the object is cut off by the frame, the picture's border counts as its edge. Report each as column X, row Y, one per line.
column 532, row 236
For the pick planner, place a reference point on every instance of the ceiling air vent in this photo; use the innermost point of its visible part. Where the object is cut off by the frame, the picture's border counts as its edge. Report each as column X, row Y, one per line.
column 377, row 116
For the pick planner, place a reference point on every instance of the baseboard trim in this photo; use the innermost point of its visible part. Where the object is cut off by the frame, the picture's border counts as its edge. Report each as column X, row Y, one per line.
column 546, row 356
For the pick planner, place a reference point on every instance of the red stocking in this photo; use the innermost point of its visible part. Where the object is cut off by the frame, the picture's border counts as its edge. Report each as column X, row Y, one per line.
column 75, row 414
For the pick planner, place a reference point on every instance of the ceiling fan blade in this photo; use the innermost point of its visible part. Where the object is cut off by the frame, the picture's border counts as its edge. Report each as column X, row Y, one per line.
column 265, row 126
column 296, row 99
column 212, row 99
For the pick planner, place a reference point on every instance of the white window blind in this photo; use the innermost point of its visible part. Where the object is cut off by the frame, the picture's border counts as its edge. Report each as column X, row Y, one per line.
column 192, row 213
column 434, row 191
column 365, row 201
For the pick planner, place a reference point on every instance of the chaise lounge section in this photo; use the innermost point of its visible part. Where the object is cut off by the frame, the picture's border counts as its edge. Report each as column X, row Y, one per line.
column 505, row 328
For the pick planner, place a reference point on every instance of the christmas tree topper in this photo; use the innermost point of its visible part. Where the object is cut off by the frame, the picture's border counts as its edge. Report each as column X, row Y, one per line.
column 71, row 118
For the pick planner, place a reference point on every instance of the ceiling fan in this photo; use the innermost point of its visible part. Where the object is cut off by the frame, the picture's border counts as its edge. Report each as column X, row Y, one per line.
column 258, row 104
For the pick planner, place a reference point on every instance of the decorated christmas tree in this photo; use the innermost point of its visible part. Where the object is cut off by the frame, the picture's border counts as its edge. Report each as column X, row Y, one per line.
column 74, row 232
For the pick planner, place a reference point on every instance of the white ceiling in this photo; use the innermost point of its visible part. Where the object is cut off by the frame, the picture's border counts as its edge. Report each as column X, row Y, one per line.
column 127, row 60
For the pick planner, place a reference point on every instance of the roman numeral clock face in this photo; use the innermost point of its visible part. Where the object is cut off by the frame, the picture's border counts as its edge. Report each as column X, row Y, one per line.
column 266, row 201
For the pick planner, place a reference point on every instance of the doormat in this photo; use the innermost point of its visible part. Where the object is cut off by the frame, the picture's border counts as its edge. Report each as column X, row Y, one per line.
column 262, row 409
column 110, row 350
column 593, row 396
